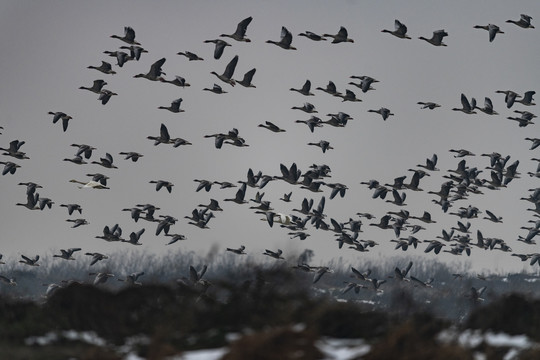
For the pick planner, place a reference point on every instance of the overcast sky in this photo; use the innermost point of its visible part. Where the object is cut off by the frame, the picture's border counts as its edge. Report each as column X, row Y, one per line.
column 47, row 46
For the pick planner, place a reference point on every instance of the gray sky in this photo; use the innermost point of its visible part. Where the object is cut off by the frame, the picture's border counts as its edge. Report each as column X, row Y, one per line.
column 46, row 47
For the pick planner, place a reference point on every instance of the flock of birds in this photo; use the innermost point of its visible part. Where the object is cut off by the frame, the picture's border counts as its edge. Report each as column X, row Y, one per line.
column 404, row 228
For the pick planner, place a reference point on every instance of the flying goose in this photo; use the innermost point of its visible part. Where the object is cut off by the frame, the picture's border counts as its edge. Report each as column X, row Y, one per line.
column 323, row 144
column 312, row 122
column 106, row 161
column 67, row 254
column 101, row 278
column 219, row 47
column 527, row 98
column 32, row 262
column 9, row 167
column 240, row 195
column 305, row 90
column 509, row 97
column 174, row 107
column 524, row 21
column 341, row 36
column 8, row 281
column 105, row 95
column 162, row 183
column 61, row 115
column 248, row 77
column 271, row 126
column 132, row 278
column 216, row 89
column 134, row 156
column 178, row 81
column 129, row 36
column 239, row 251
column 349, row 96
column 31, row 201
column 400, row 30
column 330, row 89
column 286, row 40
column 488, row 107
column 428, row 105
column 96, row 86
column 214, row 205
column 155, row 71
column 240, row 33
column 135, row 51
column 307, row 107
column 134, row 237
column 467, row 108
column 491, row 28
column 191, row 56
column 89, row 184
column 384, row 112
column 436, row 38
column 320, row 272
column 274, row 254
column 105, row 68
column 229, row 72
column 175, row 238
column 312, row 36
column 78, row 222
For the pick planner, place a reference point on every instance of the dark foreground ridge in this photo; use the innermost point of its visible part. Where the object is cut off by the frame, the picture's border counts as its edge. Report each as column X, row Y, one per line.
column 272, row 314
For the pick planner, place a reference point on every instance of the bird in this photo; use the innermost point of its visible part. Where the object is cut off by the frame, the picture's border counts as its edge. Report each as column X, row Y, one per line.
column 216, row 89
column 305, row 89
column 523, row 22
column 467, row 108
column 89, row 184
column 509, row 97
column 320, row 272
column 175, row 238
column 8, row 281
column 78, row 222
column 400, row 30
column 106, row 161
column 129, row 36
column 341, row 36
column 312, row 122
column 239, row 251
column 214, row 205
column 191, row 56
column 155, row 71
column 32, row 262
column 312, row 36
column 219, row 47
column 274, row 254
column 32, row 201
column 9, row 167
column 105, row 95
column 285, row 41
column 527, row 98
column 61, row 115
column 271, row 126
column 330, row 89
column 229, row 72
column 384, row 112
column 436, row 38
column 307, row 107
column 131, row 155
column 492, row 30
column 349, row 96
column 174, row 107
column 323, row 144
column 240, row 195
column 134, row 237
column 488, row 107
column 96, row 86
column 248, row 77
column 135, row 51
column 428, row 105
column 101, row 278
column 67, row 254
column 178, row 81
column 96, row 257
column 493, row 217
column 132, row 278
column 240, row 33
column 105, row 68
column 162, row 184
